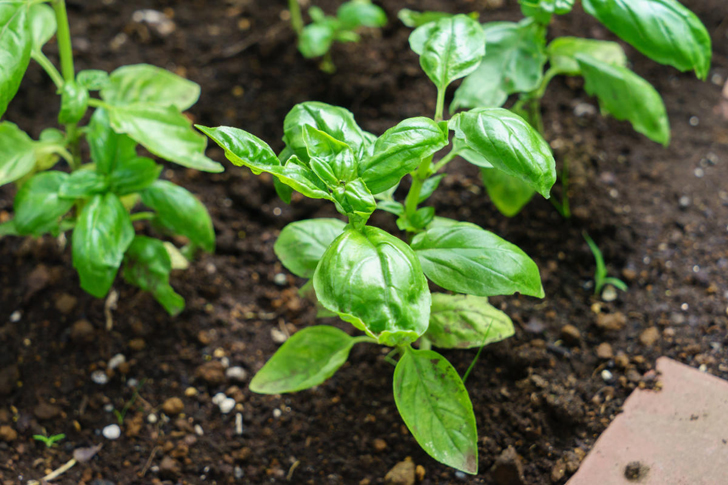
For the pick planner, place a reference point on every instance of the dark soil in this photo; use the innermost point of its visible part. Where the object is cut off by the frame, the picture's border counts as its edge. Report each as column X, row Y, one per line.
column 659, row 215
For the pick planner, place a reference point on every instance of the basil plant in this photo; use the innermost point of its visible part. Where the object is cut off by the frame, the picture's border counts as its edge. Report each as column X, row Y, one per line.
column 96, row 201
column 517, row 53
column 315, row 39
column 380, row 283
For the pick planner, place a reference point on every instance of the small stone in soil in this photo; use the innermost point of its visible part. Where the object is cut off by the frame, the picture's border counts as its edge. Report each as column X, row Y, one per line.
column 403, row 473
column 82, row 331
column 238, row 424
column 570, row 334
column 280, row 279
column 152, row 418
column 198, row 430
column 227, row 405
column 191, row 392
column 111, row 432
column 66, row 303
column 15, row 316
column 508, row 468
column 173, row 406
column 611, row 321
column 380, row 445
column 236, row 373
column 604, row 351
column 7, row 434
column 649, row 336
column 607, row 376
column 46, row 410
column 278, row 336
column 609, row 293
column 116, row 361
column 99, row 377
column 211, row 372
column 218, row 398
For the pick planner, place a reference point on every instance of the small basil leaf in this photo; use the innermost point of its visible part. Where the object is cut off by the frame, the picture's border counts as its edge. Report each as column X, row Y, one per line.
column 307, row 359
column 147, row 265
column 467, row 259
column 37, row 204
column 542, row 10
column 107, row 147
column 360, row 13
column 8, row 229
column 92, row 79
column 180, row 211
column 301, row 245
column 284, row 191
column 316, row 39
column 413, row 19
column 102, row 235
column 626, row 96
column 331, row 160
column 42, row 24
column 509, row 194
column 142, row 83
column 391, row 206
column 83, row 184
column 421, row 218
column 465, row 322
column 355, row 198
column 374, row 281
column 429, row 187
column 562, row 53
column 16, row 41
column 17, row 152
column 133, row 175
column 435, row 406
column 74, row 103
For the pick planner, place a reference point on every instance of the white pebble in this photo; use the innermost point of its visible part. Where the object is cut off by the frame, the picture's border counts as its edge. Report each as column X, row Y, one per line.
column 238, row 424
column 132, row 382
column 280, row 279
column 116, row 361
column 152, row 418
column 198, row 430
column 606, row 375
column 15, row 316
column 277, row 413
column 225, row 362
column 609, row 293
column 227, row 405
column 236, row 373
column 694, row 121
column 99, row 377
column 703, row 368
column 108, row 407
column 278, row 336
column 218, row 398
column 111, row 432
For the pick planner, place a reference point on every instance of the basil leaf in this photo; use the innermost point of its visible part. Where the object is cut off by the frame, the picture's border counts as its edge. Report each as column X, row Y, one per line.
column 37, row 205
column 74, row 103
column 301, row 245
column 507, row 142
column 133, row 175
column 355, row 198
column 542, row 10
column 17, row 152
column 92, row 79
column 508, row 194
column 413, row 19
column 391, row 206
column 435, row 406
column 307, row 359
column 360, row 13
column 102, row 235
column 513, row 63
column 373, row 280
column 316, row 39
column 663, row 30
column 467, row 259
column 421, row 218
column 8, row 229
column 42, row 24
column 453, row 49
column 142, row 83
column 399, row 151
column 626, row 96
column 562, row 53
column 180, row 211
column 82, row 184
column 165, row 132
column 465, row 322
column 429, row 187
column 147, row 265
column 16, row 41
column 107, row 147
column 331, row 160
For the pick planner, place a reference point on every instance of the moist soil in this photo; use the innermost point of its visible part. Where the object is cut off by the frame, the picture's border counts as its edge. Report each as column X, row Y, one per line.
column 541, row 398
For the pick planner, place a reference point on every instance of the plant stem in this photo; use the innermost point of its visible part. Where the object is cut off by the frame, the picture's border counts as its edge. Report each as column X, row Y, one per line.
column 65, row 52
column 364, row 339
column 296, row 19
column 48, row 67
column 418, row 178
column 440, row 108
column 444, row 161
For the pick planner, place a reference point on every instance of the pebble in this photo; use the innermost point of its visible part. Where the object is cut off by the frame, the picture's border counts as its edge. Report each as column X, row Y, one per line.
column 99, row 377
column 621, row 360
column 609, row 293
column 152, row 419
column 611, row 321
column 46, row 410
column 66, row 303
column 380, row 445
column 403, row 473
column 280, row 279
column 278, row 336
column 604, row 351
column 7, row 434
column 584, row 109
column 111, row 432
column 82, row 331
column 15, row 316
column 607, row 376
column 236, row 373
column 238, row 473
column 277, row 413
column 173, row 406
column 116, row 361
column 508, row 468
column 198, row 430
column 684, row 202
column 633, row 375
column 570, row 334
column 649, row 336
column 238, row 424
column 191, row 392
column 227, row 405
column 218, row 398
column 211, row 372
column 161, row 24
column 132, row 383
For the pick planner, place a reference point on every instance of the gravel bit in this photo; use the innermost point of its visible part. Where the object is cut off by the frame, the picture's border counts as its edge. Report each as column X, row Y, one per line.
column 111, row 432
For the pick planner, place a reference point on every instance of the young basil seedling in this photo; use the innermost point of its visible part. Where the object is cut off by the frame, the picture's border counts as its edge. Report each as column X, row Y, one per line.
column 600, row 274
column 375, row 280
column 49, row 441
column 138, row 105
column 517, row 53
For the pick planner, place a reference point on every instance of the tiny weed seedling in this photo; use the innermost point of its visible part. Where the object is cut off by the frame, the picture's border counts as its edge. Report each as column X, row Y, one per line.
column 138, row 105
column 600, row 274
column 517, row 54
column 121, row 415
column 377, row 281
column 49, row 441
column 316, row 38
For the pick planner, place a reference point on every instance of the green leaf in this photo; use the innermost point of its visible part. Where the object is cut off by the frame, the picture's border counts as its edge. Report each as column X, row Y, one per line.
column 429, row 187
column 562, row 53
column 507, row 142
column 360, row 13
column 435, row 406
column 165, row 132
column 542, row 10
column 180, row 211
column 133, row 175
column 331, row 160
column 102, row 235
column 17, row 152
column 663, row 30
column 74, row 103
column 316, row 39
column 301, row 244
column 413, row 19
column 421, row 218
column 42, row 24
column 16, row 41
column 355, row 198
column 509, row 194
column 92, row 79
column 465, row 322
column 391, row 206
column 373, row 280
column 307, row 359
column 8, row 229
column 147, row 265
column 83, row 184
column 513, row 63
column 454, row 49
column 142, row 83
column 399, row 151
column 37, row 205
column 107, row 147
column 626, row 96
column 467, row 259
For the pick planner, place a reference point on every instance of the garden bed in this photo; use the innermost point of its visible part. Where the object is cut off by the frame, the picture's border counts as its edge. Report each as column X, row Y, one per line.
column 659, row 215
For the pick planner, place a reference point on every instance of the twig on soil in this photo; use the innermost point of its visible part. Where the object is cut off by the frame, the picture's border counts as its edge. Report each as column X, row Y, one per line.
column 109, row 306
column 290, row 471
column 55, row 474
column 149, row 461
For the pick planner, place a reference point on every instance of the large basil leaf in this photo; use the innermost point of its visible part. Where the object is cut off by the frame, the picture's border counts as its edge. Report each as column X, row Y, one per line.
column 74, row 103
column 133, row 175
column 562, row 53
column 17, row 152
column 626, row 96
column 102, row 235
column 663, row 30
column 37, row 204
column 107, row 147
column 467, row 259
column 301, row 244
column 165, row 132
column 399, row 151
column 465, row 321
column 509, row 194
column 180, row 211
column 92, row 79
column 435, row 406
column 307, row 359
column 16, row 41
column 360, row 13
column 454, row 48
column 542, row 10
column 42, row 24
column 142, row 83
column 507, row 142
column 147, row 265
column 374, row 281
column 82, row 184
column 513, row 63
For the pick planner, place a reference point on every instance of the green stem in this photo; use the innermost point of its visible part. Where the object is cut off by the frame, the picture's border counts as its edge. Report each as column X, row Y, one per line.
column 97, row 103
column 65, row 52
column 296, row 19
column 142, row 216
column 48, row 67
column 444, row 160
column 418, row 179
column 440, row 108
column 364, row 339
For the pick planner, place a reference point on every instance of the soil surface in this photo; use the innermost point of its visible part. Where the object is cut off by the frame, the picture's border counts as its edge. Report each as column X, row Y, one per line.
column 541, row 398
